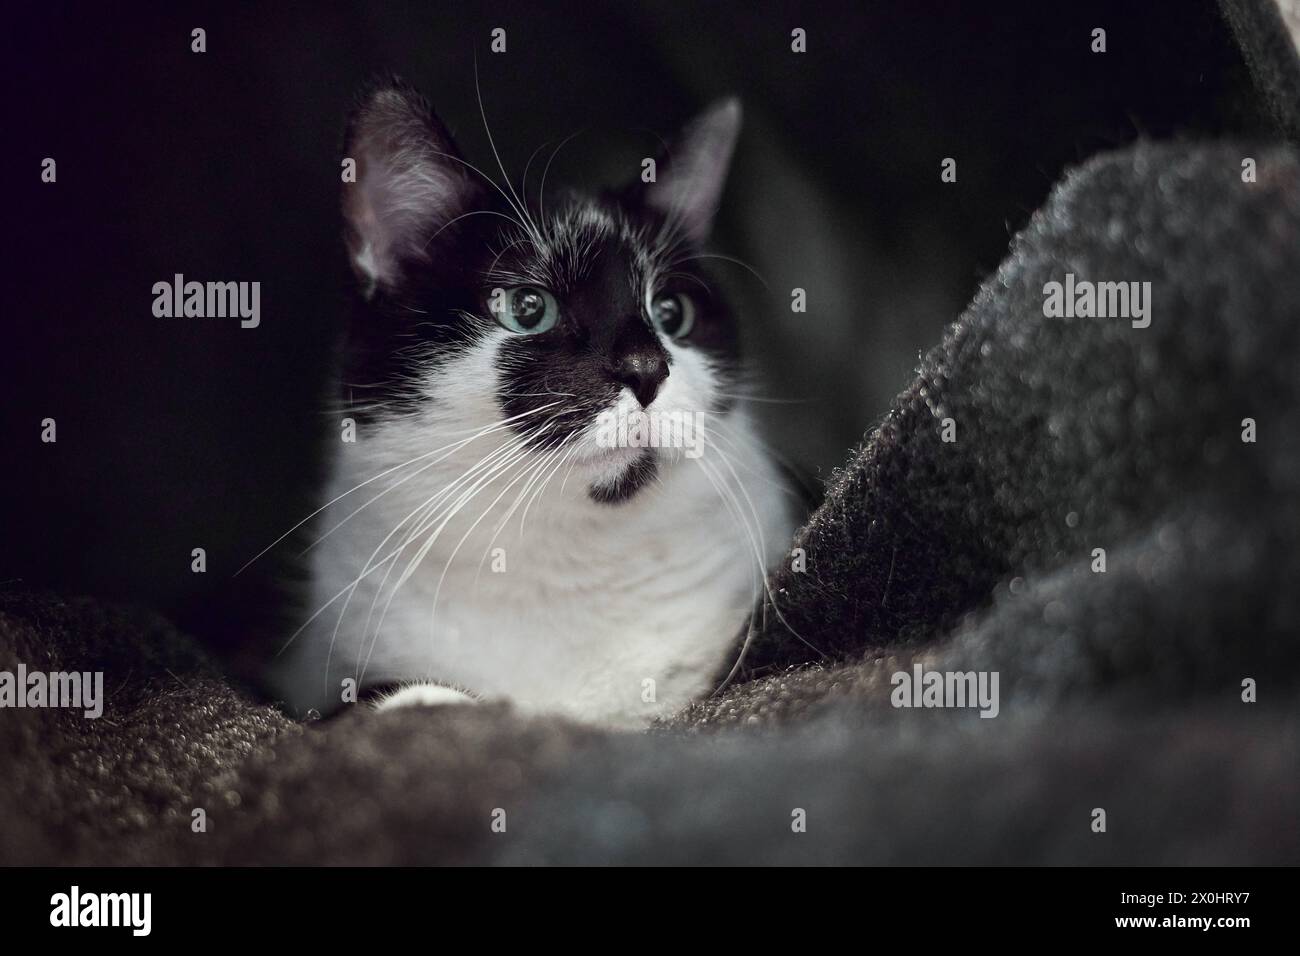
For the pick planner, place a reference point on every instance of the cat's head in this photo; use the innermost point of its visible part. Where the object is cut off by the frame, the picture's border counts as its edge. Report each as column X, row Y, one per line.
column 551, row 316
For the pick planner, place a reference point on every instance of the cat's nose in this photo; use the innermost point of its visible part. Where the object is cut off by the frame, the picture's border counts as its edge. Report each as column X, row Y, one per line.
column 643, row 370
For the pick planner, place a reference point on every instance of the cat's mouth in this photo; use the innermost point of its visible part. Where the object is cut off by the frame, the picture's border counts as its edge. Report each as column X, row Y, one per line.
column 621, row 473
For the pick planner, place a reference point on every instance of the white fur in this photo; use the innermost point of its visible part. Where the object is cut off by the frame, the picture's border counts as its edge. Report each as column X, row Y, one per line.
column 611, row 613
column 422, row 695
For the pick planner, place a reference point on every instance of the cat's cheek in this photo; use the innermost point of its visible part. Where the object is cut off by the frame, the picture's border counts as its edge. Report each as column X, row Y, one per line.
column 692, row 384
column 423, row 695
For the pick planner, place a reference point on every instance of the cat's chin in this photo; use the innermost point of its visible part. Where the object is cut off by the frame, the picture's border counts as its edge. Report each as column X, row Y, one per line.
column 620, row 473
column 609, row 461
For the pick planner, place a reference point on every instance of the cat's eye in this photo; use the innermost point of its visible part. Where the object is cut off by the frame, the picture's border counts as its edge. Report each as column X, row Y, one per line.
column 525, row 309
column 673, row 313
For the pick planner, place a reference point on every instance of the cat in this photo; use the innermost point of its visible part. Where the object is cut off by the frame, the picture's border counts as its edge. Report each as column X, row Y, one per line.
column 485, row 537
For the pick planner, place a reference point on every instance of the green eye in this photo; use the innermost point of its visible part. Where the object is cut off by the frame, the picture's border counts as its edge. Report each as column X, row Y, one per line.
column 673, row 313
column 524, row 309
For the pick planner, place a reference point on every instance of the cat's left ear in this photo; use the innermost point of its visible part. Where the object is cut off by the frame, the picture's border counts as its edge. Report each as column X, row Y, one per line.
column 690, row 177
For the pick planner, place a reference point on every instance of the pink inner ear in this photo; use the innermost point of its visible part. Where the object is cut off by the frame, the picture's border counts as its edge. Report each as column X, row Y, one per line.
column 396, row 206
column 689, row 187
column 409, row 186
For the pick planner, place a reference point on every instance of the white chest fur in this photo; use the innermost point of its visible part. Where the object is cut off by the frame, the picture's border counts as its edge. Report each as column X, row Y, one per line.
column 491, row 569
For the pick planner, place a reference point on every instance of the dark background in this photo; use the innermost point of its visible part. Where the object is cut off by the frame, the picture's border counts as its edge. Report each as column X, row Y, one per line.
column 183, row 433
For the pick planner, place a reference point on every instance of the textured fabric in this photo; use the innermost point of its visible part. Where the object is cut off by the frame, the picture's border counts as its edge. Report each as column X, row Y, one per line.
column 1073, row 434
column 1268, row 32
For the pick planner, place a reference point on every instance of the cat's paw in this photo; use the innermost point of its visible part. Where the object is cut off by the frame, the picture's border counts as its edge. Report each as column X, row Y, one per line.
column 422, row 695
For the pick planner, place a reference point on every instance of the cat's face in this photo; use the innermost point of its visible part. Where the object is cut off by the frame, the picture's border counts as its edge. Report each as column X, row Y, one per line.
column 555, row 317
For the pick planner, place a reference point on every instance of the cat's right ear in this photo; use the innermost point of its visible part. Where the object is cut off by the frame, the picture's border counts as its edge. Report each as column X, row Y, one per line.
column 411, row 185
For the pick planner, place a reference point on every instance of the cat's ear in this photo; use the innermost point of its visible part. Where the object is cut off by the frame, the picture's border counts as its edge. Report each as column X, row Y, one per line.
column 689, row 178
column 410, row 184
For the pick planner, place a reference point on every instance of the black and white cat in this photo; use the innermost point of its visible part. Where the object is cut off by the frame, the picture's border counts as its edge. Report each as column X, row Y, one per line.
column 488, row 535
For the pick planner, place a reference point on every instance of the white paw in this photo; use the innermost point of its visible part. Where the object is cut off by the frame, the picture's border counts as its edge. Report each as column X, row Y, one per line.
column 422, row 695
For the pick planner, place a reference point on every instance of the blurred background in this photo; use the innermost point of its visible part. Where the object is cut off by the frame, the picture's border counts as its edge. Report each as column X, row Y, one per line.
column 176, row 434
